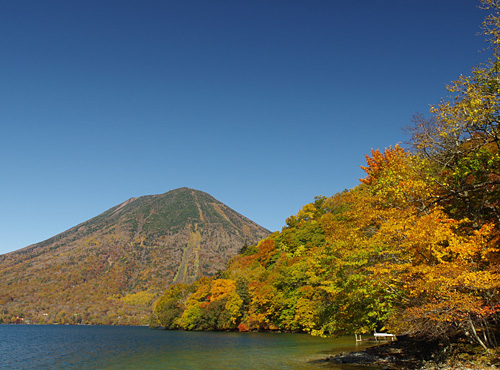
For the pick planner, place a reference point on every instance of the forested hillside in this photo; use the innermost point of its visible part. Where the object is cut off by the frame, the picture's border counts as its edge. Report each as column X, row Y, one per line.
column 109, row 270
column 414, row 248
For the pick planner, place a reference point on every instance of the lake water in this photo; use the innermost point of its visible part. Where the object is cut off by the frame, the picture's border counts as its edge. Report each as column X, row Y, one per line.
column 120, row 347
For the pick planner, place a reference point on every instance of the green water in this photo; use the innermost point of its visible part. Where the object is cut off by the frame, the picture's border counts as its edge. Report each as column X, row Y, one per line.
column 108, row 347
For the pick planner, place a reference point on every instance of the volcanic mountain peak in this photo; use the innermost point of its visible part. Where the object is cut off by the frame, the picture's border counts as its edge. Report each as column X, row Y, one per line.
column 134, row 249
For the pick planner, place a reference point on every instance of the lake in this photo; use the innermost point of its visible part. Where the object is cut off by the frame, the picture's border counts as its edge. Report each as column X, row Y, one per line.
column 123, row 347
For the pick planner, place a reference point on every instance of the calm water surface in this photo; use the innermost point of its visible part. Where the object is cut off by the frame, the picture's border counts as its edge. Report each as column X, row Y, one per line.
column 113, row 347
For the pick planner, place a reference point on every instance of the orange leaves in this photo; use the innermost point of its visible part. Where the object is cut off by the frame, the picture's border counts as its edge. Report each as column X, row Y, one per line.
column 265, row 249
column 441, row 270
column 478, row 246
column 449, row 279
column 425, row 238
column 397, row 177
column 221, row 288
column 379, row 162
column 480, row 280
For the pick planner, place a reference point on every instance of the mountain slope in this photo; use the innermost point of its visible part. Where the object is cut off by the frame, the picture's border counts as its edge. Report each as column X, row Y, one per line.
column 109, row 268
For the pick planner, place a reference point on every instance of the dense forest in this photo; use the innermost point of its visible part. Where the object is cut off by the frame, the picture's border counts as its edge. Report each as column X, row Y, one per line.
column 414, row 248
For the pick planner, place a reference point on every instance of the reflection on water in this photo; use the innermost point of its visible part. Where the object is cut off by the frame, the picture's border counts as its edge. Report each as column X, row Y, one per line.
column 112, row 347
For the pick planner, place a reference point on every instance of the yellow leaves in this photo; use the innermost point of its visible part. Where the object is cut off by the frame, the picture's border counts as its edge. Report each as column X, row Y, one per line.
column 140, row 298
column 491, row 24
column 233, row 306
column 449, row 272
column 305, row 314
column 307, row 212
column 221, row 288
column 473, row 105
column 299, row 251
column 330, row 288
column 397, row 177
column 422, row 237
column 477, row 246
column 318, row 333
column 439, row 265
column 201, row 293
column 476, row 280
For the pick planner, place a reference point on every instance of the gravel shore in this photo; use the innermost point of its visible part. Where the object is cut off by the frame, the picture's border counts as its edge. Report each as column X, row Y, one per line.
column 408, row 354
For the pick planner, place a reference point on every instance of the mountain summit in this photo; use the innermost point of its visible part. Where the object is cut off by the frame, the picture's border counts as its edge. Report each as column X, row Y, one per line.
column 108, row 269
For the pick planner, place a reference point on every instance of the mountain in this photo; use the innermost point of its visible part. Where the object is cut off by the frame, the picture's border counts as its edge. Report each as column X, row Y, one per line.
column 109, row 269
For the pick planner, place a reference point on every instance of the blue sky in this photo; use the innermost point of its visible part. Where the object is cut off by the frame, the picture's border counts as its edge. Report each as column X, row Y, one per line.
column 262, row 104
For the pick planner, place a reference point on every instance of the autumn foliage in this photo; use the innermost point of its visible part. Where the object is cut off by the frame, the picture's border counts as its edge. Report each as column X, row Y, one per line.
column 413, row 249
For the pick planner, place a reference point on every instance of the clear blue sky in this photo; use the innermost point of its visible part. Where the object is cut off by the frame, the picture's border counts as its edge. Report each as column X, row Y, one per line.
column 263, row 104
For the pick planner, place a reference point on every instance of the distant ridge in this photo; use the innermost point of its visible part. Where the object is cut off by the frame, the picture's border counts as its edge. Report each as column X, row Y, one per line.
column 108, row 269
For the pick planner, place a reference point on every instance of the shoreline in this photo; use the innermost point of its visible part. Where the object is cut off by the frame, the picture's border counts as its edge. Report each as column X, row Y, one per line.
column 412, row 354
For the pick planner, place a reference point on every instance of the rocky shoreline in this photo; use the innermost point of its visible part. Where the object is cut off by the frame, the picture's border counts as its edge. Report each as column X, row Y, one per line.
column 409, row 354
